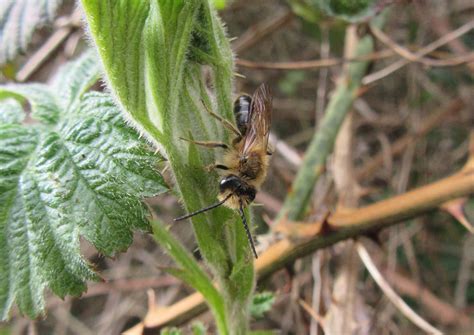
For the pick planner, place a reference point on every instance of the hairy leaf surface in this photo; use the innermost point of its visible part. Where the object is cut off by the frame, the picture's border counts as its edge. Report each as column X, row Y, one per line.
column 80, row 171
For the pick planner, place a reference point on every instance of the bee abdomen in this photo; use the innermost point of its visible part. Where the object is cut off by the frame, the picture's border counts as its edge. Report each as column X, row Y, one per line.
column 242, row 112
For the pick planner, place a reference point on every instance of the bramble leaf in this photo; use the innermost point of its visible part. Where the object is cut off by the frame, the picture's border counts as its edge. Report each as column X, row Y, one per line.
column 18, row 21
column 11, row 111
column 81, row 172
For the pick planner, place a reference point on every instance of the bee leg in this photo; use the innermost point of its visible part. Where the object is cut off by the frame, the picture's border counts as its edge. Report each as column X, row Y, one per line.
column 224, row 122
column 207, row 144
column 216, row 166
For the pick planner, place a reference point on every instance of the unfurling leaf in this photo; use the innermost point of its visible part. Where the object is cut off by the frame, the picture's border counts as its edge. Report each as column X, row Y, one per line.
column 79, row 172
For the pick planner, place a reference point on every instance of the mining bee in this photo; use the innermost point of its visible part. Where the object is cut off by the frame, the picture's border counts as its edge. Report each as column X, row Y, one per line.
column 245, row 162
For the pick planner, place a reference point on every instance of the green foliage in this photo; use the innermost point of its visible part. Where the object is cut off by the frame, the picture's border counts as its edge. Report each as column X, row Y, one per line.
column 18, row 21
column 5, row 330
column 11, row 111
column 154, row 66
column 346, row 10
column 346, row 7
column 171, row 331
column 289, row 83
column 198, row 328
column 78, row 171
column 219, row 4
column 261, row 303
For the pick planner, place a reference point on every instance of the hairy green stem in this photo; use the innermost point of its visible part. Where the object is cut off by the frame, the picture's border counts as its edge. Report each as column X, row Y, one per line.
column 322, row 144
column 154, row 65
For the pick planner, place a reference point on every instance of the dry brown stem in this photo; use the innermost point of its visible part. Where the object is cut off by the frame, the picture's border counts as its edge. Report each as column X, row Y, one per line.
column 312, row 64
column 339, row 226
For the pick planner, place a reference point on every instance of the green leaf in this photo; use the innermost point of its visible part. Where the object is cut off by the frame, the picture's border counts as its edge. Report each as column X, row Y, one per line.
column 154, row 55
column 261, row 303
column 84, row 175
column 44, row 106
column 18, row 21
column 11, row 111
column 75, row 78
column 198, row 328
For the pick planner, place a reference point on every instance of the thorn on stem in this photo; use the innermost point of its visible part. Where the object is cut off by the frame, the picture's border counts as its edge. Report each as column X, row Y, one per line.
column 455, row 207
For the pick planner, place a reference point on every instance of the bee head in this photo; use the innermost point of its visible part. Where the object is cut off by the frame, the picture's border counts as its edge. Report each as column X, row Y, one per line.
column 237, row 186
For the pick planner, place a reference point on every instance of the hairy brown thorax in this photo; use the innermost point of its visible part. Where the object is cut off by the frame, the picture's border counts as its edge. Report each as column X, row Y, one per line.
column 250, row 166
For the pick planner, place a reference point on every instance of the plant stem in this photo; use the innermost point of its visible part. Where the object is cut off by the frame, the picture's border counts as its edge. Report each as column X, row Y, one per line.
column 322, row 143
column 345, row 225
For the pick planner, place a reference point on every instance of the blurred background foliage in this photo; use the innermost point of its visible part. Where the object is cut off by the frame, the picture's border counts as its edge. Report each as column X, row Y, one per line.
column 433, row 253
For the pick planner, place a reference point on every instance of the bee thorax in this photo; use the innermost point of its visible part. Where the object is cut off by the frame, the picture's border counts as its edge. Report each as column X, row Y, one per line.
column 251, row 166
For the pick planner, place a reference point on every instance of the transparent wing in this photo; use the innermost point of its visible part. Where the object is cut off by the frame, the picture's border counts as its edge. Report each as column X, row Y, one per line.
column 259, row 120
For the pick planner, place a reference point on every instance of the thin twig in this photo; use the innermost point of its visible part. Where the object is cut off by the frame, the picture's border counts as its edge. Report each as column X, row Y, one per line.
column 312, row 312
column 313, row 64
column 412, row 57
column 391, row 294
column 442, row 311
column 369, row 79
column 260, row 30
column 317, row 289
column 48, row 48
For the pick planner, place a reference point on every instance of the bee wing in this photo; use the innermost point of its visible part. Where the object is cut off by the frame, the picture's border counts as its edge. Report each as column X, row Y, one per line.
column 259, row 120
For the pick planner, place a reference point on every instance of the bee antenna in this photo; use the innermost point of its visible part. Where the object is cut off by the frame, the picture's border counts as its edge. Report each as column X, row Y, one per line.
column 247, row 230
column 202, row 210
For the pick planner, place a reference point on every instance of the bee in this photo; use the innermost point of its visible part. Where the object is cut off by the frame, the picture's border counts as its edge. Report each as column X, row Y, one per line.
column 246, row 160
